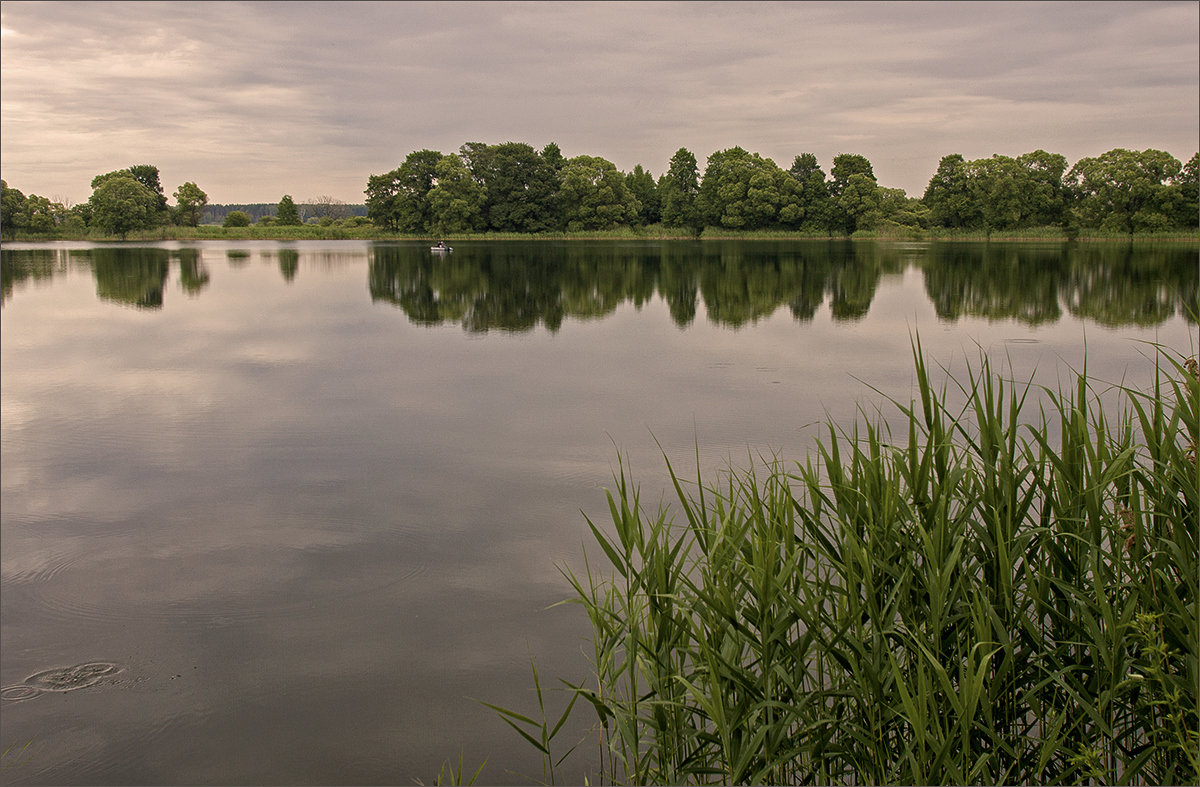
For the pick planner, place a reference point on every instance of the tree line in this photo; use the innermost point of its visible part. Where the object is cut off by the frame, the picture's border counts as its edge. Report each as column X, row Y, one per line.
column 131, row 199
column 514, row 188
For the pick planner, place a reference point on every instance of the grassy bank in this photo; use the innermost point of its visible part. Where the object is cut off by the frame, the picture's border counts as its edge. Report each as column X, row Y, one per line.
column 654, row 232
column 962, row 599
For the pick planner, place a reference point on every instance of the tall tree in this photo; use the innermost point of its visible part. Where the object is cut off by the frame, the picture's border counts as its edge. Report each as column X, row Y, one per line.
column 852, row 193
column 1189, row 190
column 522, row 189
column 805, row 201
column 416, row 179
column 121, row 204
column 553, row 156
column 1124, row 190
column 383, row 194
column 857, row 207
column 641, row 184
column 948, row 195
column 997, row 192
column 845, row 165
column 678, row 189
column 189, row 204
column 11, row 203
column 286, row 213
column 1043, row 188
column 594, row 196
column 456, row 202
column 740, row 190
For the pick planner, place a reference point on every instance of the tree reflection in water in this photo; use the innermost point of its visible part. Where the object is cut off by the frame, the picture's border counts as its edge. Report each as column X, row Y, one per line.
column 517, row 286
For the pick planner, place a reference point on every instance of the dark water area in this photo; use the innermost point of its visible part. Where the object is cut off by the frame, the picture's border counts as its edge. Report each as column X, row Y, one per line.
column 285, row 512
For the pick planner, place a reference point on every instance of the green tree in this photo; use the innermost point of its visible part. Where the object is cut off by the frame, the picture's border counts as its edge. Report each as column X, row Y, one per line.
column 740, row 190
column 286, row 213
column 678, row 189
column 40, row 215
column 553, row 156
column 147, row 176
column 383, row 194
column 857, row 207
column 998, row 192
column 121, row 204
column 1189, row 192
column 522, row 188
column 189, row 202
column 594, row 195
column 948, row 196
column 1125, row 190
column 11, row 203
column 853, row 201
column 399, row 200
column 643, row 187
column 845, row 165
column 237, row 218
column 1043, row 188
column 805, row 196
column 456, row 202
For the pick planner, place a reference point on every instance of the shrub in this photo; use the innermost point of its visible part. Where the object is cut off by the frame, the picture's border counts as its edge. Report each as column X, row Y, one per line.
column 236, row 218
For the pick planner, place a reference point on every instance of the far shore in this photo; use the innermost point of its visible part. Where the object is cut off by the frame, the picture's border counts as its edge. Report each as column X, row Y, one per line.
column 335, row 232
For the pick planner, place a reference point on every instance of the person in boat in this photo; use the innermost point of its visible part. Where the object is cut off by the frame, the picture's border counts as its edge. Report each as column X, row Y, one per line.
column 440, row 245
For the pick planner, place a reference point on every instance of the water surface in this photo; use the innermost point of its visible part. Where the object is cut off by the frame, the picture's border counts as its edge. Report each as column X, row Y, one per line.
column 282, row 512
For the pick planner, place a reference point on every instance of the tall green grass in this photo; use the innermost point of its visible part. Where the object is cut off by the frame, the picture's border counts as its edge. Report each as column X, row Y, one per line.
column 1001, row 590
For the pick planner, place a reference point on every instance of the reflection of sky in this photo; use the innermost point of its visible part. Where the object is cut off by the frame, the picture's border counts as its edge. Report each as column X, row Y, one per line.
column 326, row 512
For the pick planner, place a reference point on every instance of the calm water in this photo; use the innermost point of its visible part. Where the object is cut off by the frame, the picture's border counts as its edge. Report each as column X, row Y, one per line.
column 292, row 508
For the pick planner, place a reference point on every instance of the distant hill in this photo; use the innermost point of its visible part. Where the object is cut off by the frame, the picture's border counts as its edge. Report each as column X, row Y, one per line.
column 215, row 214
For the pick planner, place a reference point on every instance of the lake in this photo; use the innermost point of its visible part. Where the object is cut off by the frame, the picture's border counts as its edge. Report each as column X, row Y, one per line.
column 285, row 513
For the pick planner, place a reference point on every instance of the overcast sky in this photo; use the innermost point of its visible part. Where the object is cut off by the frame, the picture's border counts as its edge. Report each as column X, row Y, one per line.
column 254, row 100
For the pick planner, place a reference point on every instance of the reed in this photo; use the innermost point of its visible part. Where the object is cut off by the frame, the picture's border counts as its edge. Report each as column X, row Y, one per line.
column 1000, row 589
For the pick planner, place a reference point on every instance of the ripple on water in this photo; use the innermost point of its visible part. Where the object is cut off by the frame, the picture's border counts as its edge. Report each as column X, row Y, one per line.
column 60, row 679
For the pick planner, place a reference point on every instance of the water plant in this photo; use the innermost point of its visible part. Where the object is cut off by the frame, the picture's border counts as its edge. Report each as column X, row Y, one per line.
column 995, row 583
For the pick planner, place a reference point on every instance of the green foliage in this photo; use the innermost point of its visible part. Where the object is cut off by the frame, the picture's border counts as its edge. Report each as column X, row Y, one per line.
column 190, row 202
column 805, row 205
column 678, row 190
column 1126, row 190
column 457, row 201
column 740, row 190
column 12, row 201
column 121, row 204
column 641, row 184
column 594, row 196
column 854, row 203
column 846, row 165
column 948, row 195
column 998, row 585
column 522, row 189
column 236, row 219
column 399, row 200
column 286, row 214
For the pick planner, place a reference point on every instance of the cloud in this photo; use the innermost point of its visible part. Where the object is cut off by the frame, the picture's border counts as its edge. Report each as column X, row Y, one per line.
column 253, row 100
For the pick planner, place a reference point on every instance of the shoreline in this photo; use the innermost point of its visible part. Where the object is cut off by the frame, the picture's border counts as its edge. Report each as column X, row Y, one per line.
column 334, row 232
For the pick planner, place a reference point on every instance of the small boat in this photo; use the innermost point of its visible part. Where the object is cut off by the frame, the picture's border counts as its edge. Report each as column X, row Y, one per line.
column 440, row 247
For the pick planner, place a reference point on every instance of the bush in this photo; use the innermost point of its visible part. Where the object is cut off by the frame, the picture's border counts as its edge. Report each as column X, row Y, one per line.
column 236, row 218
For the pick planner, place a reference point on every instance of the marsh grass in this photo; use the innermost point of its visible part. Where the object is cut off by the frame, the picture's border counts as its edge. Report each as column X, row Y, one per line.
column 1000, row 590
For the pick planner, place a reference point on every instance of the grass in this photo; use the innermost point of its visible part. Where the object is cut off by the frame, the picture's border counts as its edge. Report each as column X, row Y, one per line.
column 1000, row 590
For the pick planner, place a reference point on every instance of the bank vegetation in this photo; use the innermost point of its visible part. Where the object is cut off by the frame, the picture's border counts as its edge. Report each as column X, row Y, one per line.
column 994, row 583
column 512, row 189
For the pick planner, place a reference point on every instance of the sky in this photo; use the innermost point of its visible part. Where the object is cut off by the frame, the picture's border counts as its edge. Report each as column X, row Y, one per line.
column 254, row 100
